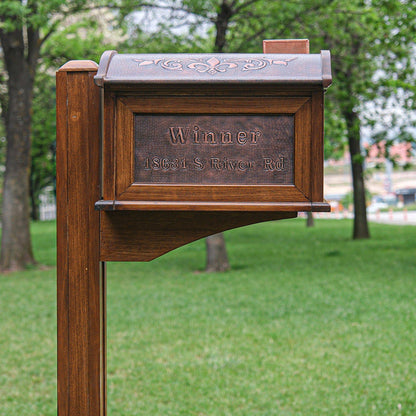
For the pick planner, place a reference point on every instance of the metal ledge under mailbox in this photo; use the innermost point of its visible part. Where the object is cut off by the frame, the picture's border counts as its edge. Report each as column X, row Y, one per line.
column 206, row 132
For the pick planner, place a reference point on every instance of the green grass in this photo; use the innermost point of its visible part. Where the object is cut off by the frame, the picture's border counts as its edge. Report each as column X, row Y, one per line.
column 308, row 322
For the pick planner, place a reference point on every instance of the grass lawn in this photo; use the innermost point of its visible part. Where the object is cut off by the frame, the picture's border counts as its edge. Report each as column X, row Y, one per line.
column 307, row 322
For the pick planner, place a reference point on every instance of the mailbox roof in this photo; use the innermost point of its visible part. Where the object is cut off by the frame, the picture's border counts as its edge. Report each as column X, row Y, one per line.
column 214, row 68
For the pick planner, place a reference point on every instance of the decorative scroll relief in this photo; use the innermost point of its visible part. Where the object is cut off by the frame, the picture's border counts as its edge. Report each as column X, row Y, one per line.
column 213, row 149
column 213, row 65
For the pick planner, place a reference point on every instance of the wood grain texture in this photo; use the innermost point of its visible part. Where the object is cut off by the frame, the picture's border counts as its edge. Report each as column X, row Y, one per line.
column 286, row 46
column 81, row 340
column 303, row 149
column 108, row 167
column 77, row 263
column 62, row 236
column 317, row 148
column 213, row 193
column 145, row 235
column 122, row 131
column 124, row 148
column 211, row 105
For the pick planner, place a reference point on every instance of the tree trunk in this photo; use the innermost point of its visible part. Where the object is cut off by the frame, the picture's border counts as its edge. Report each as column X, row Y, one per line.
column 16, row 248
column 34, row 206
column 217, row 259
column 360, row 212
column 309, row 219
column 221, row 26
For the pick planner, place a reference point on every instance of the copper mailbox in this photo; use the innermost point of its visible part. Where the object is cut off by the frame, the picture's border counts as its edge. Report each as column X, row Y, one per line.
column 206, row 132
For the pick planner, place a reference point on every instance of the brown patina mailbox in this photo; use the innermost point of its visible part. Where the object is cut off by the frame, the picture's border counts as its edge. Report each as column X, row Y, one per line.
column 213, row 132
column 169, row 149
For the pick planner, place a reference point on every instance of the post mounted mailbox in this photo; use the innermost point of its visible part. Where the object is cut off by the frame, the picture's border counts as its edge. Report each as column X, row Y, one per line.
column 189, row 145
column 206, row 132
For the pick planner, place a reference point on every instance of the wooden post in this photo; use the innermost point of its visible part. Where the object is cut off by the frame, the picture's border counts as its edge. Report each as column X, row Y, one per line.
column 81, row 276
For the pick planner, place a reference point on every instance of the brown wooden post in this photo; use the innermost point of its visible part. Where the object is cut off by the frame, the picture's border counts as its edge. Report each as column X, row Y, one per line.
column 81, row 276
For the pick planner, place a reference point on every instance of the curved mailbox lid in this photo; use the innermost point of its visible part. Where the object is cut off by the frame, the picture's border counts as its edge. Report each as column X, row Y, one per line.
column 210, row 68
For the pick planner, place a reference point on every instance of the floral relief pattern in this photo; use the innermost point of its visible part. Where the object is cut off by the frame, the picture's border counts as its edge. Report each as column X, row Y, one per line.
column 213, row 65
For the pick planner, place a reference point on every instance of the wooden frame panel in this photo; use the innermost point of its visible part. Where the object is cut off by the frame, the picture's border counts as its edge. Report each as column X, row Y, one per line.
column 108, row 120
column 206, row 197
column 317, row 147
column 124, row 148
column 303, row 173
column 211, row 105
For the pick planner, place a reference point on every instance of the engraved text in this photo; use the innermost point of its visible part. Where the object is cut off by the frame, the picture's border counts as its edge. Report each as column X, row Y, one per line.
column 182, row 135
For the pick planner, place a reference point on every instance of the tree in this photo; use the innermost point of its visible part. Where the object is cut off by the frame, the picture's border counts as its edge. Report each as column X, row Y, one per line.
column 371, row 44
column 20, row 53
column 309, row 219
column 25, row 26
column 375, row 41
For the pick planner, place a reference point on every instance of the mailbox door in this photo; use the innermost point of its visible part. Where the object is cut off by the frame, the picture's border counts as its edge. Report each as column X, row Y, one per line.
column 213, row 149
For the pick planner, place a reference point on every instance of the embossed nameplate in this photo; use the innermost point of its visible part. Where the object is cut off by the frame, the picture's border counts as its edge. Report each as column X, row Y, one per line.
column 213, row 149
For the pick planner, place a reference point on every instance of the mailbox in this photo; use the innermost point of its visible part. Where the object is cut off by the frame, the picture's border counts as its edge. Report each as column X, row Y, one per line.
column 206, row 132
column 170, row 149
